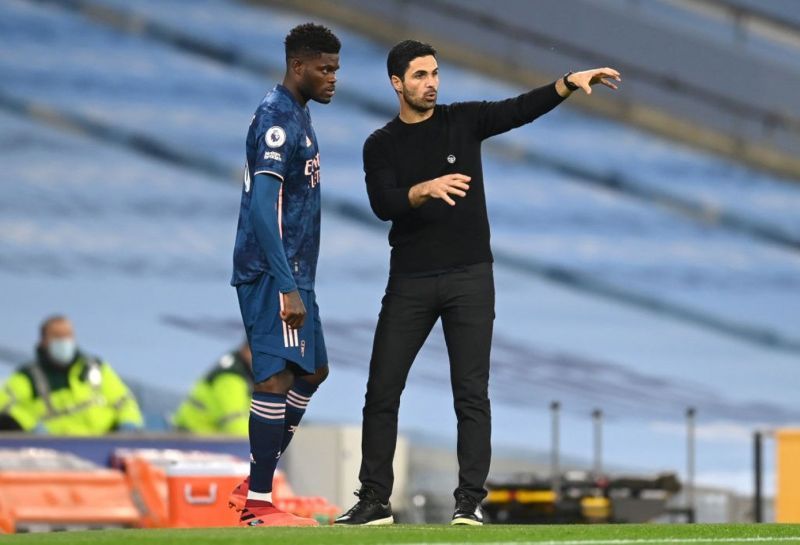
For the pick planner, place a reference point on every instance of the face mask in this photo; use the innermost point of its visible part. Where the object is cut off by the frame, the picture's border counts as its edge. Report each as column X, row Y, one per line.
column 62, row 350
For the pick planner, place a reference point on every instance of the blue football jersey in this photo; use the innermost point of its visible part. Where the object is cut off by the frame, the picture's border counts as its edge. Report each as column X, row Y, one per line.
column 281, row 142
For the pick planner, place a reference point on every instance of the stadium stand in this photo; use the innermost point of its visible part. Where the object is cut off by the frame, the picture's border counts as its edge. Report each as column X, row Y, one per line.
column 685, row 83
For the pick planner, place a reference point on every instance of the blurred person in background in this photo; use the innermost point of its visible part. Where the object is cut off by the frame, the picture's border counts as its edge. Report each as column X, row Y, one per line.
column 220, row 401
column 66, row 391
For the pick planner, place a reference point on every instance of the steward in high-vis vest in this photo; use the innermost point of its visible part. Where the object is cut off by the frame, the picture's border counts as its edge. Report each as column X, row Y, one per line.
column 65, row 391
column 220, row 401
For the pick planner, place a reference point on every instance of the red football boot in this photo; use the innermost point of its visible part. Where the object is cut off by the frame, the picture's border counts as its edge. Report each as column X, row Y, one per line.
column 263, row 513
column 239, row 495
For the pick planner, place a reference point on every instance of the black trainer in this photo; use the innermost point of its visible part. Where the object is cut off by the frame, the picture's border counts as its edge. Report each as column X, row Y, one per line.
column 368, row 511
column 468, row 510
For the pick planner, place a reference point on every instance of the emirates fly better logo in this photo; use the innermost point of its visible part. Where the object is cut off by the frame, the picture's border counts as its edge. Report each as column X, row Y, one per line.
column 312, row 171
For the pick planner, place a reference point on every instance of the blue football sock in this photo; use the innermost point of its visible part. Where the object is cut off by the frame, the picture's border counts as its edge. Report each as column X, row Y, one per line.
column 267, row 420
column 296, row 402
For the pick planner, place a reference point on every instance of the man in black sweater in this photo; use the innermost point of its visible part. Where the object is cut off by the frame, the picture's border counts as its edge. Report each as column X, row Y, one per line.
column 423, row 173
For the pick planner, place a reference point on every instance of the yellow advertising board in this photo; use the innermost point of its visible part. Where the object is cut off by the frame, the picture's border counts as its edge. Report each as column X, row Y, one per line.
column 787, row 494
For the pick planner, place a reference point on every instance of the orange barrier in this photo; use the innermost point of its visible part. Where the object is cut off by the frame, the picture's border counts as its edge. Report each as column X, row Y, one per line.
column 6, row 519
column 198, row 496
column 155, row 489
column 191, row 489
column 181, row 489
column 201, row 500
column 65, row 498
column 148, row 486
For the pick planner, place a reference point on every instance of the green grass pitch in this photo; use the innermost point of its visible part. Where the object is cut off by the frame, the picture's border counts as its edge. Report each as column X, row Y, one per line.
column 693, row 534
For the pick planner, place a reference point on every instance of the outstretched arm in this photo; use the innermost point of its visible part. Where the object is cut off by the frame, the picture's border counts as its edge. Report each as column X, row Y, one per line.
column 264, row 215
column 493, row 118
column 498, row 117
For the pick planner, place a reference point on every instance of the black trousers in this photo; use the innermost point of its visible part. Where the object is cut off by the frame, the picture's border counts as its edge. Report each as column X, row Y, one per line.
column 464, row 300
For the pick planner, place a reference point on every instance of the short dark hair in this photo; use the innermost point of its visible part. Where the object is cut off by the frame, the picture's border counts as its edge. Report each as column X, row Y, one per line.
column 310, row 40
column 403, row 53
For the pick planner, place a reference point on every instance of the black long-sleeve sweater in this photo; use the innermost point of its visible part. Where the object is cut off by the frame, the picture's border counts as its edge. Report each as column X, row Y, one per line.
column 436, row 236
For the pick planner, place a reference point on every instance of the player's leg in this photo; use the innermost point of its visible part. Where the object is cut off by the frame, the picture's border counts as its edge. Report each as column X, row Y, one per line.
column 259, row 302
column 297, row 400
column 266, row 443
column 408, row 312
column 267, row 418
column 467, row 321
column 305, row 386
column 267, row 415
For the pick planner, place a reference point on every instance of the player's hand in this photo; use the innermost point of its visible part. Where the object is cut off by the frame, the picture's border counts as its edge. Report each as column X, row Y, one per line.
column 294, row 311
column 587, row 78
column 440, row 188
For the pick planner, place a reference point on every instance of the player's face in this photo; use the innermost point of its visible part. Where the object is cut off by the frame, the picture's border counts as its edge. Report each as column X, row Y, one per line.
column 420, row 84
column 319, row 77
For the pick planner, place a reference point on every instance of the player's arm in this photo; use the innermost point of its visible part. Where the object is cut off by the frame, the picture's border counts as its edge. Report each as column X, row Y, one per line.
column 387, row 199
column 494, row 118
column 264, row 217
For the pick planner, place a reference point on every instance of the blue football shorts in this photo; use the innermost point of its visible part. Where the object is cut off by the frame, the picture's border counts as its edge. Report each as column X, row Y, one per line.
column 274, row 344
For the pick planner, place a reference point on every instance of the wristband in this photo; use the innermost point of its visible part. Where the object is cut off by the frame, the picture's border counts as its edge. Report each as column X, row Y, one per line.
column 571, row 86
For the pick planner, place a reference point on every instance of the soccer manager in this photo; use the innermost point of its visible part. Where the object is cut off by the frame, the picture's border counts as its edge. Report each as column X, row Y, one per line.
column 423, row 173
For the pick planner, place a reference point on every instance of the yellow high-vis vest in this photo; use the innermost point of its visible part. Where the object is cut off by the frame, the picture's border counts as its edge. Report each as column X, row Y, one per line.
column 85, row 398
column 219, row 402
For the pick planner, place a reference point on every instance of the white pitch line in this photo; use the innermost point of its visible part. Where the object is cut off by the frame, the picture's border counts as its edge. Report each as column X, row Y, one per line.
column 655, row 541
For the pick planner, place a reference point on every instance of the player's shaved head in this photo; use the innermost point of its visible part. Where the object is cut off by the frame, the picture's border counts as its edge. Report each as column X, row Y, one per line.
column 403, row 53
column 310, row 40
